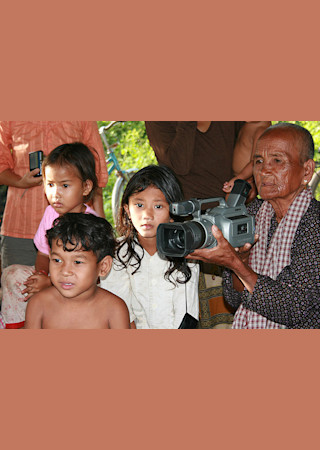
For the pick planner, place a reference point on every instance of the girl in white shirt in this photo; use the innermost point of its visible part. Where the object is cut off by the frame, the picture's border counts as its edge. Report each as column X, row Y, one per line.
column 158, row 292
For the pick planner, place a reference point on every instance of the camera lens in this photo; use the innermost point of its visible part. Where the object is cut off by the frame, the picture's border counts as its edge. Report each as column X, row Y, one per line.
column 177, row 239
column 180, row 239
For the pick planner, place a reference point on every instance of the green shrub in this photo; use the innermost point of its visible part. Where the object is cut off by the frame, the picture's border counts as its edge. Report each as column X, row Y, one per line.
column 133, row 151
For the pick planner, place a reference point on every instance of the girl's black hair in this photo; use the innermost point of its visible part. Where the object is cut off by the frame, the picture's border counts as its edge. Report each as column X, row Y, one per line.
column 85, row 231
column 76, row 155
column 164, row 179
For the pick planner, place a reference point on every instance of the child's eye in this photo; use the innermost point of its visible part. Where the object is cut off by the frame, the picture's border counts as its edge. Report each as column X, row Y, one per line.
column 139, row 205
column 50, row 184
column 56, row 260
column 158, row 206
column 78, row 262
column 65, row 185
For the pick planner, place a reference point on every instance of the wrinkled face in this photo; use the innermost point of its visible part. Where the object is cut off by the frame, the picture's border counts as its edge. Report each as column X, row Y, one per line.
column 147, row 209
column 75, row 273
column 64, row 189
column 278, row 171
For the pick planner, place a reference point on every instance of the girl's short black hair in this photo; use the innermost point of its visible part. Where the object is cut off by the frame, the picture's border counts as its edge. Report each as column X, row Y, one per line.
column 85, row 231
column 77, row 155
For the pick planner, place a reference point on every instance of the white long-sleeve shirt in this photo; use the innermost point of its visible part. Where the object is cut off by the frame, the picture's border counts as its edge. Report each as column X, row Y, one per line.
column 154, row 302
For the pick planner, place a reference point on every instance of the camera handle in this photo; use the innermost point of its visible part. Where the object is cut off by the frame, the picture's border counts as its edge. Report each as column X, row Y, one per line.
column 193, row 206
column 236, row 198
column 198, row 213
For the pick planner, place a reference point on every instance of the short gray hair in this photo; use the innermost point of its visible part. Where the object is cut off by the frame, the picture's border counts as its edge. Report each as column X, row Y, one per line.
column 301, row 135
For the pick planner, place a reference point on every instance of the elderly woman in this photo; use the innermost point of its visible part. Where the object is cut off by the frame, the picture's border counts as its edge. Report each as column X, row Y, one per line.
column 277, row 283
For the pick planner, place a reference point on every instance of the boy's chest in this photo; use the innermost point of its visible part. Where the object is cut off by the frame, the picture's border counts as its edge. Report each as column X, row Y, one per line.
column 73, row 316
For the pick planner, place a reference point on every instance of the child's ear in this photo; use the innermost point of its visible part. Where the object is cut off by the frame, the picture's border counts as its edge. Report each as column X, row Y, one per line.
column 105, row 266
column 87, row 187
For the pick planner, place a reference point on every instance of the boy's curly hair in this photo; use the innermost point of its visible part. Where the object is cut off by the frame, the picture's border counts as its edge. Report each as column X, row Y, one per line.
column 83, row 231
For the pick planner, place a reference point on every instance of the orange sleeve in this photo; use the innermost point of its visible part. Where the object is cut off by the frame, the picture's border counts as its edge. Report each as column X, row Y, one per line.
column 6, row 159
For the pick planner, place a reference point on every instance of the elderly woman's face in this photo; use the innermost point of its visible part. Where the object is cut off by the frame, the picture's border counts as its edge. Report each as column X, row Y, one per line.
column 277, row 169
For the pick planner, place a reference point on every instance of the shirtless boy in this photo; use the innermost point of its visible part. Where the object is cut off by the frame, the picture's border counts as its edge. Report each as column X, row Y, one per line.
column 81, row 250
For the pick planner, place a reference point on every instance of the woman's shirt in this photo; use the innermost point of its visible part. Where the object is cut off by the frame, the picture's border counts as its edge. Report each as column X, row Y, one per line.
column 153, row 301
column 293, row 299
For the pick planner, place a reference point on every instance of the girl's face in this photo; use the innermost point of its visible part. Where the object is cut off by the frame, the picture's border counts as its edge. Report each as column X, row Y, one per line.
column 147, row 209
column 64, row 189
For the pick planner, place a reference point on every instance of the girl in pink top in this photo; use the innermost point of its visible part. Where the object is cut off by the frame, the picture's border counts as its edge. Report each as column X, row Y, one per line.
column 70, row 180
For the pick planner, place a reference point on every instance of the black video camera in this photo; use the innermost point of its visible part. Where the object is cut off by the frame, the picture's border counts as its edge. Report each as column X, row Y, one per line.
column 231, row 217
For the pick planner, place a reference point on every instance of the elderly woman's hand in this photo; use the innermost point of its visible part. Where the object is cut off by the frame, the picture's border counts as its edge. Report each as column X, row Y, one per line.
column 223, row 254
column 244, row 252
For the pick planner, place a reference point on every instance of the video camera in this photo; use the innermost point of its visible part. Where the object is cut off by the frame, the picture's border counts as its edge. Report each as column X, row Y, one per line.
column 231, row 217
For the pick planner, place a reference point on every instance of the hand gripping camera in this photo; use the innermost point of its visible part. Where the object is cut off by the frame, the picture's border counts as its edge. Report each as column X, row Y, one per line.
column 231, row 217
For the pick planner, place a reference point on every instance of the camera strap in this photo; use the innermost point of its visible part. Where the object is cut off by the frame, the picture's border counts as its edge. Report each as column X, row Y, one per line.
column 188, row 321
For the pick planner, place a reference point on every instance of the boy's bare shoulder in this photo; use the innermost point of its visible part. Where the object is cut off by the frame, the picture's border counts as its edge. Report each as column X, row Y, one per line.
column 43, row 297
column 115, row 308
column 37, row 307
column 111, row 300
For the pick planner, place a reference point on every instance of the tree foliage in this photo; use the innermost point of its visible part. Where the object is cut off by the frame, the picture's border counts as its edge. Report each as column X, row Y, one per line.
column 133, row 151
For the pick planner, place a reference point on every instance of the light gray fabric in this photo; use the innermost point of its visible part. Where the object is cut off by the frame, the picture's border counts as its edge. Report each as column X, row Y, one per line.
column 17, row 251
